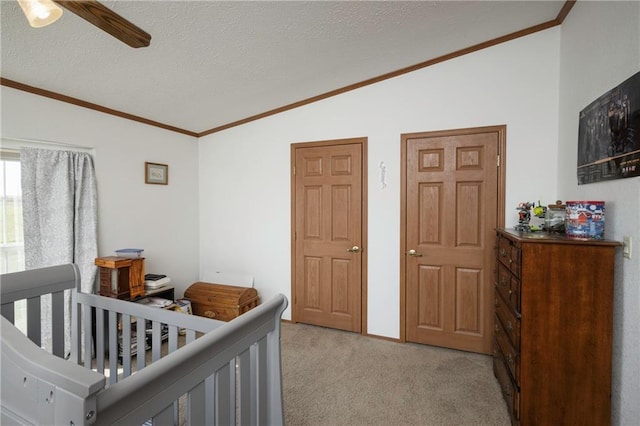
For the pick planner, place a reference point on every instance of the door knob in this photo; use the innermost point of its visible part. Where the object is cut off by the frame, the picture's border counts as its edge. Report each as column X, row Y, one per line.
column 414, row 253
column 354, row 249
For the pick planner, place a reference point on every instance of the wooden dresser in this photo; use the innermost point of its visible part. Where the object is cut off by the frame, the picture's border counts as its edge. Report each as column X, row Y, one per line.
column 553, row 328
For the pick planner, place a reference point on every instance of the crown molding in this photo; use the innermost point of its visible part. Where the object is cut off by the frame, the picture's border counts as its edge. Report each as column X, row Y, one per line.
column 564, row 12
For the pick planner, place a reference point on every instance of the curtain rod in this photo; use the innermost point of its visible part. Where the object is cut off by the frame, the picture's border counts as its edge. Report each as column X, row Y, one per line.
column 43, row 142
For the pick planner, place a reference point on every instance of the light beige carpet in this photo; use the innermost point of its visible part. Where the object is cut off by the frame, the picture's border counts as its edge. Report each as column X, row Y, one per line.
column 334, row 378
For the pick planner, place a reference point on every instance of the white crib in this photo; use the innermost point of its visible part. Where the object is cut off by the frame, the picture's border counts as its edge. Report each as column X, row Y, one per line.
column 225, row 374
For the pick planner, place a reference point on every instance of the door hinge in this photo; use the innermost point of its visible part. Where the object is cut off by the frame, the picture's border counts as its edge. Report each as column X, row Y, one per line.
column 498, row 160
column 294, row 170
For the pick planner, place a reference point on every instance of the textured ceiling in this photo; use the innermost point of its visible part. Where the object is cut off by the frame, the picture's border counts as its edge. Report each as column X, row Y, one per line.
column 211, row 63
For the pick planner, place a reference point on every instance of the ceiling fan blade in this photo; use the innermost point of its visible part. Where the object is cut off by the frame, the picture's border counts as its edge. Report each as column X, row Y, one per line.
column 107, row 20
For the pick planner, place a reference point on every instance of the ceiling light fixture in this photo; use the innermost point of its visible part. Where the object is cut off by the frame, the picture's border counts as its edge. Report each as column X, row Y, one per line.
column 40, row 13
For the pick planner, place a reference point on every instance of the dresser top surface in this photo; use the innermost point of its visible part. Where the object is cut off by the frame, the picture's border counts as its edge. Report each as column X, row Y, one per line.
column 552, row 238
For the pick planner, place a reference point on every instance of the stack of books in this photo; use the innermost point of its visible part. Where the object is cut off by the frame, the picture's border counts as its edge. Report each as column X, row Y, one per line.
column 131, row 253
column 155, row 302
column 155, row 281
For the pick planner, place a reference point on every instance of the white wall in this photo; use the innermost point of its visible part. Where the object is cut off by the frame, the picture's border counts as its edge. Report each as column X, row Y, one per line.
column 160, row 219
column 600, row 49
column 245, row 171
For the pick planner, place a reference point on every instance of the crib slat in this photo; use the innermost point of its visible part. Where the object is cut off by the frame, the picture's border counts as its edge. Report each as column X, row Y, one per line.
column 191, row 336
column 113, row 347
column 195, row 406
column 259, row 382
column 243, row 377
column 141, row 355
column 99, row 337
column 156, row 341
column 57, row 324
column 173, row 339
column 75, row 313
column 87, row 327
column 126, row 344
column 8, row 311
column 172, row 346
column 165, row 417
column 33, row 320
column 209, row 395
column 224, row 414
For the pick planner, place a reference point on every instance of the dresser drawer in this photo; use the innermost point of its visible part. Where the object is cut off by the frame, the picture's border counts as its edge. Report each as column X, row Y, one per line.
column 509, row 255
column 510, row 323
column 509, row 389
column 514, row 294
column 510, row 355
column 508, row 286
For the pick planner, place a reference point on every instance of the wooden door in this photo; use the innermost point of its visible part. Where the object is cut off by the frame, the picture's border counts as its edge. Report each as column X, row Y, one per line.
column 328, row 233
column 451, row 190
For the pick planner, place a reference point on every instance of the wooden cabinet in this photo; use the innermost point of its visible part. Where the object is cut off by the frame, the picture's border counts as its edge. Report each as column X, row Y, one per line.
column 553, row 328
column 121, row 277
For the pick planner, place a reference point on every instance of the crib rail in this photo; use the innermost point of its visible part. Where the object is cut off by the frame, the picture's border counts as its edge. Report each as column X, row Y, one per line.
column 231, row 375
column 205, row 372
column 109, row 328
column 30, row 286
column 39, row 387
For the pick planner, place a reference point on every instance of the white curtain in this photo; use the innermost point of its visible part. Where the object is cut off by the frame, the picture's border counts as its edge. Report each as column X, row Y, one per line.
column 60, row 216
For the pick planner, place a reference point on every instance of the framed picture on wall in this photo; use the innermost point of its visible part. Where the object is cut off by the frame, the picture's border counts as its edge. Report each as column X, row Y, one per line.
column 609, row 134
column 157, row 174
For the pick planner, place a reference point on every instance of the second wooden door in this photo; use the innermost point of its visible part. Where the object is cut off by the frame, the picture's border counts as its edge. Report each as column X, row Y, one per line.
column 451, row 206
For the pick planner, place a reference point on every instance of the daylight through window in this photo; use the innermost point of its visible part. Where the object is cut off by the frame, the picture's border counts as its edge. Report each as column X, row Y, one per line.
column 11, row 242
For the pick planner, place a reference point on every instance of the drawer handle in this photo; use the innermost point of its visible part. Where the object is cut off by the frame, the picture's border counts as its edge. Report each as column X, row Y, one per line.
column 510, row 261
column 503, row 281
column 507, row 391
column 496, row 329
column 503, row 252
column 509, row 326
column 510, row 359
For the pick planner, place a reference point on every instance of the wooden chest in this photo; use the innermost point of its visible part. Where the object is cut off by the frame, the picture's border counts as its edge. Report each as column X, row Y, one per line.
column 221, row 302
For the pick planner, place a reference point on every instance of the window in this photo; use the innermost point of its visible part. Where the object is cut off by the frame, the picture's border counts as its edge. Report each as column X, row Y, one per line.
column 11, row 235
